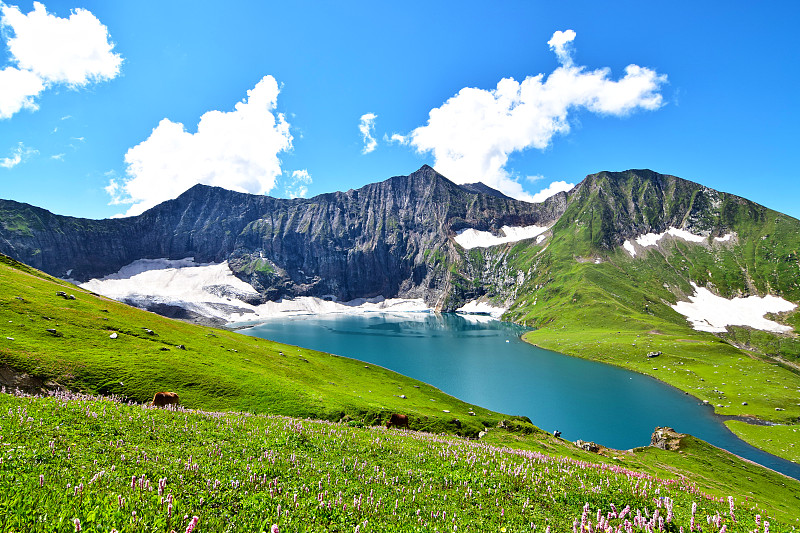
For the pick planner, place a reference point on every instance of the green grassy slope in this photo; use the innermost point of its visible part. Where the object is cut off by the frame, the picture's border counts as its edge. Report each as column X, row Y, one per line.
column 588, row 297
column 109, row 465
column 223, row 370
column 218, row 369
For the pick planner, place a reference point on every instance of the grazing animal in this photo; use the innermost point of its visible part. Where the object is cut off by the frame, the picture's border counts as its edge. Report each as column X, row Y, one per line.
column 162, row 399
column 398, row 421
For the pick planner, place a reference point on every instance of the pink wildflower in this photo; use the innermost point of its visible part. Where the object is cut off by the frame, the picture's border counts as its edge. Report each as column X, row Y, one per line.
column 274, row 529
column 77, row 523
column 192, row 524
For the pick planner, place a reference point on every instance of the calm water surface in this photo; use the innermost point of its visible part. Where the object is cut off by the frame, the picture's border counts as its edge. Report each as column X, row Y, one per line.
column 487, row 364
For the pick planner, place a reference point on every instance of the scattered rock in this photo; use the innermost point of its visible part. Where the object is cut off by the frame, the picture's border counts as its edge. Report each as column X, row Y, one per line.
column 445, row 411
column 587, row 446
column 113, row 335
column 181, row 347
column 149, row 331
column 666, row 438
column 653, row 354
column 482, row 434
column 779, row 408
column 164, row 349
column 54, row 332
column 416, row 386
column 744, row 403
column 471, row 413
column 403, row 396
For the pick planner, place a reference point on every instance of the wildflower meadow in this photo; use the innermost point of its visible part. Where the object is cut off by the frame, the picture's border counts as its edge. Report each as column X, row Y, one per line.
column 77, row 463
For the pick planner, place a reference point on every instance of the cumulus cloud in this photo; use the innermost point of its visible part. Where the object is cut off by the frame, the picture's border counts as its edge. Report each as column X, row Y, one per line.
column 552, row 189
column 237, row 150
column 18, row 88
column 18, row 155
column 47, row 50
column 561, row 44
column 473, row 134
column 298, row 184
column 366, row 127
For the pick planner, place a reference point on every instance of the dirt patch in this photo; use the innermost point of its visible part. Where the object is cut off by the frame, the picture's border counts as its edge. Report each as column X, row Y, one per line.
column 655, row 332
column 15, row 379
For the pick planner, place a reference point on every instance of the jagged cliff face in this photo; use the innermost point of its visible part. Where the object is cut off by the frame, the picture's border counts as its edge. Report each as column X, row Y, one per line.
column 392, row 238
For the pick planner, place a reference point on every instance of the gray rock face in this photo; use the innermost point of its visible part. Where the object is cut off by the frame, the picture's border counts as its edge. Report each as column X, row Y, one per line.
column 392, row 238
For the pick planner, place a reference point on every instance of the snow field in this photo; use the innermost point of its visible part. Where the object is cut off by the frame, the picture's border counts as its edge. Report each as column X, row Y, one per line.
column 472, row 238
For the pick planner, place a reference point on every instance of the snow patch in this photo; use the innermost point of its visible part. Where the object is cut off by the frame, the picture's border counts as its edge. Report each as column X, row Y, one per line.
column 629, row 247
column 651, row 239
column 213, row 291
column 475, row 307
column 540, row 239
column 708, row 312
column 309, row 305
column 472, row 238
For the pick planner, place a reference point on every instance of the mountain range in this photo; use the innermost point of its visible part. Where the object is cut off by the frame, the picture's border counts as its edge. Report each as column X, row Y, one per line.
column 648, row 271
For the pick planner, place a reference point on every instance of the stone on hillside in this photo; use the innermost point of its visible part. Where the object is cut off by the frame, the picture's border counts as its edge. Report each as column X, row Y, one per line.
column 666, row 438
column 113, row 335
column 587, row 446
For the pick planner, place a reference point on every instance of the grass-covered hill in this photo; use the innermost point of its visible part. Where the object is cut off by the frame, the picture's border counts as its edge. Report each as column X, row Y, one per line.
column 81, row 464
column 587, row 296
column 69, row 440
column 68, row 342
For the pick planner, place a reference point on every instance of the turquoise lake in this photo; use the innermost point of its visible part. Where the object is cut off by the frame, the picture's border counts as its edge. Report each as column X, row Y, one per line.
column 486, row 363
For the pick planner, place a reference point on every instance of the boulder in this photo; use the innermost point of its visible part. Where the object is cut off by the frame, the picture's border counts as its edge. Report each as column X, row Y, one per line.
column 587, row 446
column 666, row 438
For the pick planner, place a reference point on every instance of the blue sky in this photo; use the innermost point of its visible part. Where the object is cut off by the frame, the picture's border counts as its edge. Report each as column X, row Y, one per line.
column 95, row 130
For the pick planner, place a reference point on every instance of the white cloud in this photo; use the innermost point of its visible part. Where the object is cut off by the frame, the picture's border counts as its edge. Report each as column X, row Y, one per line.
column 472, row 134
column 237, row 150
column 366, row 127
column 48, row 50
column 561, row 44
column 298, row 186
column 550, row 190
column 18, row 88
column 18, row 155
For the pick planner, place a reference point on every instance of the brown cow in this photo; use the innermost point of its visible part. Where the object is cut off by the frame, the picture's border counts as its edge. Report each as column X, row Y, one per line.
column 162, row 399
column 398, row 421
